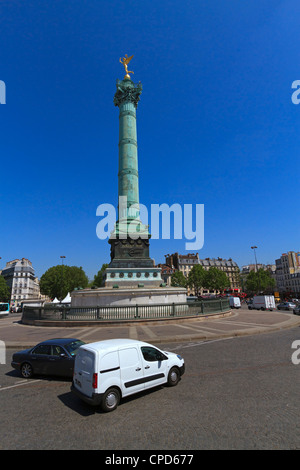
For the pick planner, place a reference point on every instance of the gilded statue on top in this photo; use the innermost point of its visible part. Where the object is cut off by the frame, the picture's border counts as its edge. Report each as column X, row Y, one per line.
column 125, row 61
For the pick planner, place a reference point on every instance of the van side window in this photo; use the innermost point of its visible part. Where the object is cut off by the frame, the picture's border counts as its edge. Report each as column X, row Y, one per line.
column 151, row 354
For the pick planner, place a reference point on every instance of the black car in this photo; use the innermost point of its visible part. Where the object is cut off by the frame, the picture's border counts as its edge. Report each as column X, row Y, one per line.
column 51, row 357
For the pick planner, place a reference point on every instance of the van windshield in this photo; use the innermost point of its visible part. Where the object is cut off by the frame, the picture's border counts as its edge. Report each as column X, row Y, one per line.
column 73, row 347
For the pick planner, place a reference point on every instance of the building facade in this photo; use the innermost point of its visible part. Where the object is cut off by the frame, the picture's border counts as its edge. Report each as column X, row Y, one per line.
column 252, row 267
column 166, row 273
column 230, row 268
column 20, row 278
column 288, row 274
column 245, row 271
column 185, row 263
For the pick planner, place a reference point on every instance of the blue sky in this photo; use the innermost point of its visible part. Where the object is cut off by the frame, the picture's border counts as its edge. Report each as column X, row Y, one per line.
column 216, row 124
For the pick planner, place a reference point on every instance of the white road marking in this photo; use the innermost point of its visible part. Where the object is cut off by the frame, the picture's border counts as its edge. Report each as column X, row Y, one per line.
column 19, row 384
column 133, row 332
column 200, row 343
column 148, row 332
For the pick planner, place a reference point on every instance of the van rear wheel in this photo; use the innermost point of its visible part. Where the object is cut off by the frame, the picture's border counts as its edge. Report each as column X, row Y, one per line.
column 111, row 399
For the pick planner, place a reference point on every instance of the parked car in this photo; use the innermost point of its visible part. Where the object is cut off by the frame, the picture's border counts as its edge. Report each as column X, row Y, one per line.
column 192, row 298
column 286, row 306
column 296, row 310
column 51, row 357
column 15, row 309
column 106, row 371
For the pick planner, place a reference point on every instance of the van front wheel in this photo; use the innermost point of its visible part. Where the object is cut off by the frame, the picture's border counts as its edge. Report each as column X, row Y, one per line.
column 110, row 400
column 173, row 377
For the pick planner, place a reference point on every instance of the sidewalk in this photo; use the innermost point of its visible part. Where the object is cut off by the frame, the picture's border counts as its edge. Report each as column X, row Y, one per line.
column 238, row 323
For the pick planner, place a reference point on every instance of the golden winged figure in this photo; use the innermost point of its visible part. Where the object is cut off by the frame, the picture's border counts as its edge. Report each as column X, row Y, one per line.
column 125, row 61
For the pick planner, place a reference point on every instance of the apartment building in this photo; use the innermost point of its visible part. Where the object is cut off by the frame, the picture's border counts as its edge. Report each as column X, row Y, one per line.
column 288, row 273
column 252, row 267
column 166, row 273
column 185, row 263
column 19, row 276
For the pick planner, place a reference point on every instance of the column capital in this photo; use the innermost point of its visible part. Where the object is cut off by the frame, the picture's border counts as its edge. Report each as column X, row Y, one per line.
column 127, row 91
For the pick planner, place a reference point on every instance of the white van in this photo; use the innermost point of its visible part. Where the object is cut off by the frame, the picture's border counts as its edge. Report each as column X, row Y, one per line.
column 234, row 302
column 262, row 302
column 106, row 371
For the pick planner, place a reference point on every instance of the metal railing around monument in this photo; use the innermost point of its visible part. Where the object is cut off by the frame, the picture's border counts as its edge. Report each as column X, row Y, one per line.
column 126, row 312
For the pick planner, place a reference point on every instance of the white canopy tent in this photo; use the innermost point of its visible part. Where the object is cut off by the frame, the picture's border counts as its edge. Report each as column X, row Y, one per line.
column 67, row 299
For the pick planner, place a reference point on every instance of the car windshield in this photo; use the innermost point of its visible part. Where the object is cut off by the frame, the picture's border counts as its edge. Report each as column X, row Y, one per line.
column 73, row 347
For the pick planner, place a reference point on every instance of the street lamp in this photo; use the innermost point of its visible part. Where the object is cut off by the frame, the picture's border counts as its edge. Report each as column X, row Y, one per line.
column 254, row 248
column 62, row 277
column 256, row 270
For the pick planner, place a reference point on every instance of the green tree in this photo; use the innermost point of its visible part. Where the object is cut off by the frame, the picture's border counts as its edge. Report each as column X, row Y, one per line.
column 259, row 282
column 196, row 278
column 215, row 279
column 98, row 278
column 61, row 279
column 4, row 290
column 178, row 279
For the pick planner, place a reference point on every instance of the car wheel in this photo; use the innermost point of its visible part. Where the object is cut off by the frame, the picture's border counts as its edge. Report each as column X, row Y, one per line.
column 278, row 308
column 111, row 399
column 26, row 370
column 173, row 377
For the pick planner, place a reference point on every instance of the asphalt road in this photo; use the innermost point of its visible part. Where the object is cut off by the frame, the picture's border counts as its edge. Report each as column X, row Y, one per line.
column 237, row 393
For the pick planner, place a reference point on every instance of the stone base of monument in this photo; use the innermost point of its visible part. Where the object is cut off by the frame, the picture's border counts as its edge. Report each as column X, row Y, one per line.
column 127, row 296
column 132, row 277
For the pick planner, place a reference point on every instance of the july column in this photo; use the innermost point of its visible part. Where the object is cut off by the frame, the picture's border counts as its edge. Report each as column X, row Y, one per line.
column 126, row 98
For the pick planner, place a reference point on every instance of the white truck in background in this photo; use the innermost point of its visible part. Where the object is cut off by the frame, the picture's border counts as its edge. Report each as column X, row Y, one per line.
column 262, row 302
column 234, row 302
